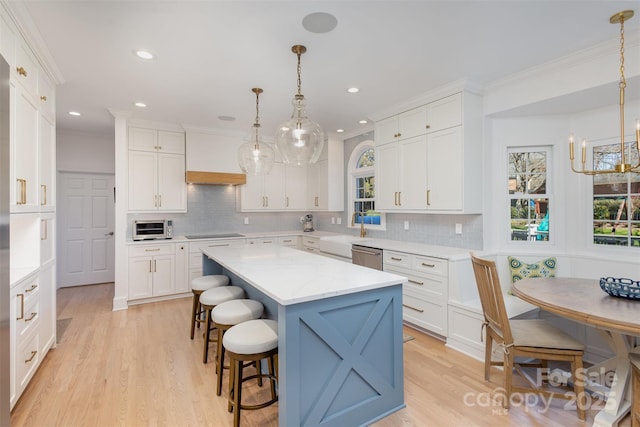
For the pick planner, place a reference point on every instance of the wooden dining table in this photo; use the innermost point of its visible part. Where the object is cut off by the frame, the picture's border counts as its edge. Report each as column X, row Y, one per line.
column 617, row 319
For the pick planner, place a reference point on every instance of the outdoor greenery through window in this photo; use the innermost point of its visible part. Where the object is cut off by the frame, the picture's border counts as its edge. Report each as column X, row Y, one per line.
column 616, row 200
column 528, row 194
column 362, row 188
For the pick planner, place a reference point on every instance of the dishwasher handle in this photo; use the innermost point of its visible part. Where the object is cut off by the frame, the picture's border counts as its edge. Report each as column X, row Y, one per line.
column 360, row 251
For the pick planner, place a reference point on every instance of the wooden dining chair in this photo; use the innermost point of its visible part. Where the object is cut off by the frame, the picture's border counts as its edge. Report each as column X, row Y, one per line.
column 531, row 339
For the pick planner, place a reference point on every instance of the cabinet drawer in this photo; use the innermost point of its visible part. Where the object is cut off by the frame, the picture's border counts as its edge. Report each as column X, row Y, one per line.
column 151, row 250
column 288, row 241
column 262, row 241
column 27, row 359
column 426, row 285
column 396, row 258
column 27, row 317
column 425, row 312
column 197, row 247
column 310, row 242
column 430, row 265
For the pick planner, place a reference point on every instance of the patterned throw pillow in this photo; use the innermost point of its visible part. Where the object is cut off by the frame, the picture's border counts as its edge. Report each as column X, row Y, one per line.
column 521, row 270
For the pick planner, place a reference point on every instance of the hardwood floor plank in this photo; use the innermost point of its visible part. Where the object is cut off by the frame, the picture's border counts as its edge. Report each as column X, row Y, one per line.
column 138, row 367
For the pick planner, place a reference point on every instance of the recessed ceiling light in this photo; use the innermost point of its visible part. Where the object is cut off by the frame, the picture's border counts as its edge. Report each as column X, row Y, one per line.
column 363, row 122
column 339, row 130
column 226, row 118
column 144, row 54
column 74, row 113
column 353, row 90
column 140, row 104
column 319, row 22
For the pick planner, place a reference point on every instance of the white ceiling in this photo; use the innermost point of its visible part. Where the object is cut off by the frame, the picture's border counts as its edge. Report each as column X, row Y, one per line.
column 211, row 53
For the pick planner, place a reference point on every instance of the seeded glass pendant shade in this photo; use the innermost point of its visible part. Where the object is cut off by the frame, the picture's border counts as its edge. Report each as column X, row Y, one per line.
column 255, row 156
column 299, row 140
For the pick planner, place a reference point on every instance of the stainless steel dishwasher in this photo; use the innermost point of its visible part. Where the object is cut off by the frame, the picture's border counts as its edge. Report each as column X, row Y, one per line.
column 365, row 256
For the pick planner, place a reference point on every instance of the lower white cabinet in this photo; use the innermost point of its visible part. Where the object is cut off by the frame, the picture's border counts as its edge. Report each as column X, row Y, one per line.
column 425, row 295
column 195, row 253
column 182, row 269
column 291, row 241
column 151, row 270
column 310, row 244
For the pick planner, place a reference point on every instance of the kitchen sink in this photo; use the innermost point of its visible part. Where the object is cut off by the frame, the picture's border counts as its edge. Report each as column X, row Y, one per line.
column 338, row 245
column 214, row 236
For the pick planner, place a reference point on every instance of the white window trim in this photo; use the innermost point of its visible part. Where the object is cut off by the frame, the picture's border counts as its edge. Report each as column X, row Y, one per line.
column 548, row 195
column 353, row 173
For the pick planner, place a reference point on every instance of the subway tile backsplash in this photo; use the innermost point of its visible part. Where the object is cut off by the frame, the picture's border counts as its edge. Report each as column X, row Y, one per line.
column 213, row 209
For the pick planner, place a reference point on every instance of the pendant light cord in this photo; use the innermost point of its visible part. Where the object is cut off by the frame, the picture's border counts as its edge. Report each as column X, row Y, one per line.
column 299, row 73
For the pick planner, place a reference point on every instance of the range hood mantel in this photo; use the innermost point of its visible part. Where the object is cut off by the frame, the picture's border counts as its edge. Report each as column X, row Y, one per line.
column 215, row 178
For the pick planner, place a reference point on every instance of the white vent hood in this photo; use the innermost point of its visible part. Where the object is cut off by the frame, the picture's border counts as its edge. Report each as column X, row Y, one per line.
column 212, row 157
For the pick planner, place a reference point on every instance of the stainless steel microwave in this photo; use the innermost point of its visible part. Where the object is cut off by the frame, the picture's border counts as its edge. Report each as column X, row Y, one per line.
column 152, row 229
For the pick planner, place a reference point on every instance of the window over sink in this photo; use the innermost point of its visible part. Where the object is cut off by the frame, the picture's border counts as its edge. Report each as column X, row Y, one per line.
column 362, row 179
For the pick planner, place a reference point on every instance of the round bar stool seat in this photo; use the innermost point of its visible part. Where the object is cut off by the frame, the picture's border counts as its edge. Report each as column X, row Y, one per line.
column 250, row 341
column 198, row 286
column 226, row 315
column 208, row 300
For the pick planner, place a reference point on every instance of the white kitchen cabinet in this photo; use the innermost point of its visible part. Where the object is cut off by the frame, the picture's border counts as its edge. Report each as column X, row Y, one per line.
column 438, row 171
column 291, row 241
column 156, row 171
column 425, row 294
column 265, row 192
column 325, row 179
column 24, row 190
column 47, row 162
column 405, row 125
column 310, row 244
column 295, row 185
column 262, row 241
column 401, row 175
column 182, row 283
column 151, row 270
column 47, row 238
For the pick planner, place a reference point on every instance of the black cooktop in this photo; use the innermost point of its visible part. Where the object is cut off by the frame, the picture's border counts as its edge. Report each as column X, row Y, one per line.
column 213, row 236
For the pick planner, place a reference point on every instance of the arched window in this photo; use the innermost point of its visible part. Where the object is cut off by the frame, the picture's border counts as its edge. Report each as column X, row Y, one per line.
column 362, row 178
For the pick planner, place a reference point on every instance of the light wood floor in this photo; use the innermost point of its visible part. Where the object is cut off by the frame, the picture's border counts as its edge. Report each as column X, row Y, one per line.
column 138, row 368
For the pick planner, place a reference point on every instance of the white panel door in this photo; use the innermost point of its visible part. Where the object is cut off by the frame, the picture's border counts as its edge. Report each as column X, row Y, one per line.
column 85, row 229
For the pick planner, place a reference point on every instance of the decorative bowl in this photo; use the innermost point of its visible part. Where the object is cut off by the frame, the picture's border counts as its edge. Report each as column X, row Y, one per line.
column 622, row 288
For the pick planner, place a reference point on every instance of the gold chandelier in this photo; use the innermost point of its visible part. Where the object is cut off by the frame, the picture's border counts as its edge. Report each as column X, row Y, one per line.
column 624, row 165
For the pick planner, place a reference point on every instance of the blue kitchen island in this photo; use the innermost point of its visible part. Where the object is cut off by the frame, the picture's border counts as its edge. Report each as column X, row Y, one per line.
column 340, row 332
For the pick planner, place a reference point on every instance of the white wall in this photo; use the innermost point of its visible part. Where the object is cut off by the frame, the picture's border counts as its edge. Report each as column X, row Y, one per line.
column 85, row 152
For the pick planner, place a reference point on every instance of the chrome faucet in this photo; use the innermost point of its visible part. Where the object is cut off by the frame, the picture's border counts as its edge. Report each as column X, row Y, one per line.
column 363, row 232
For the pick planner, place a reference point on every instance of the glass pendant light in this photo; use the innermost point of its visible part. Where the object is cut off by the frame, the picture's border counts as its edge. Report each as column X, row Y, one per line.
column 299, row 140
column 256, row 156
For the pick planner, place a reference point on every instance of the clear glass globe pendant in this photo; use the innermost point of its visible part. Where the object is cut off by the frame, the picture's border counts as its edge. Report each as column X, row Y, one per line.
column 255, row 156
column 299, row 140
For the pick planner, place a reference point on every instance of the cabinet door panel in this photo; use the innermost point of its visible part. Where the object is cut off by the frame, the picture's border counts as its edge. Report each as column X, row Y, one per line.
column 47, row 151
column 444, row 168
column 296, row 186
column 445, row 113
column 142, row 139
column 386, row 177
column 274, row 188
column 172, row 188
column 413, row 173
column 412, row 123
column 171, row 142
column 252, row 193
column 163, row 275
column 386, row 130
column 24, row 147
column 140, row 278
column 142, row 180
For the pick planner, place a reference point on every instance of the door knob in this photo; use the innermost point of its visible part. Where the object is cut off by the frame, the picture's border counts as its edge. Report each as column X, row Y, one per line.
column 109, row 234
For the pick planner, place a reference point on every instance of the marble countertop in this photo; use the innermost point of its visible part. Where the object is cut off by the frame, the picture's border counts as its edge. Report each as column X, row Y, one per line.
column 290, row 276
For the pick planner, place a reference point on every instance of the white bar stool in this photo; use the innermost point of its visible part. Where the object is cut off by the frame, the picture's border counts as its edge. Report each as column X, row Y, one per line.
column 226, row 315
column 250, row 341
column 198, row 286
column 208, row 300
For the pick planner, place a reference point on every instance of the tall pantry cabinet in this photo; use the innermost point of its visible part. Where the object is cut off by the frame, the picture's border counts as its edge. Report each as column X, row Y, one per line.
column 32, row 149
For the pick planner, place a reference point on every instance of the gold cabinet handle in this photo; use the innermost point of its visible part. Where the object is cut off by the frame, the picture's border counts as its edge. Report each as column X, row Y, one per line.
column 22, row 200
column 159, row 200
column 155, row 266
column 428, row 126
column 428, row 197
column 43, row 187
column 44, row 229
column 399, row 198
column 33, row 316
column 267, row 199
column 424, row 264
column 415, row 282
column 32, row 288
column 216, row 246
column 43, row 98
column 419, row 310
column 152, row 250
column 287, row 201
column 150, row 270
column 21, row 307
column 155, row 201
column 21, row 71
column 268, row 241
column 396, row 258
column 399, row 134
column 33, row 355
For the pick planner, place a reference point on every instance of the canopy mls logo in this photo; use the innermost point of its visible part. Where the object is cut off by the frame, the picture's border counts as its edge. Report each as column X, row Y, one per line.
column 496, row 398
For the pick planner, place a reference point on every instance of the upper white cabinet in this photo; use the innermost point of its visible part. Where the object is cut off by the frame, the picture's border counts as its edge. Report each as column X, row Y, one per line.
column 325, row 179
column 265, row 192
column 156, row 170
column 47, row 162
column 431, row 161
